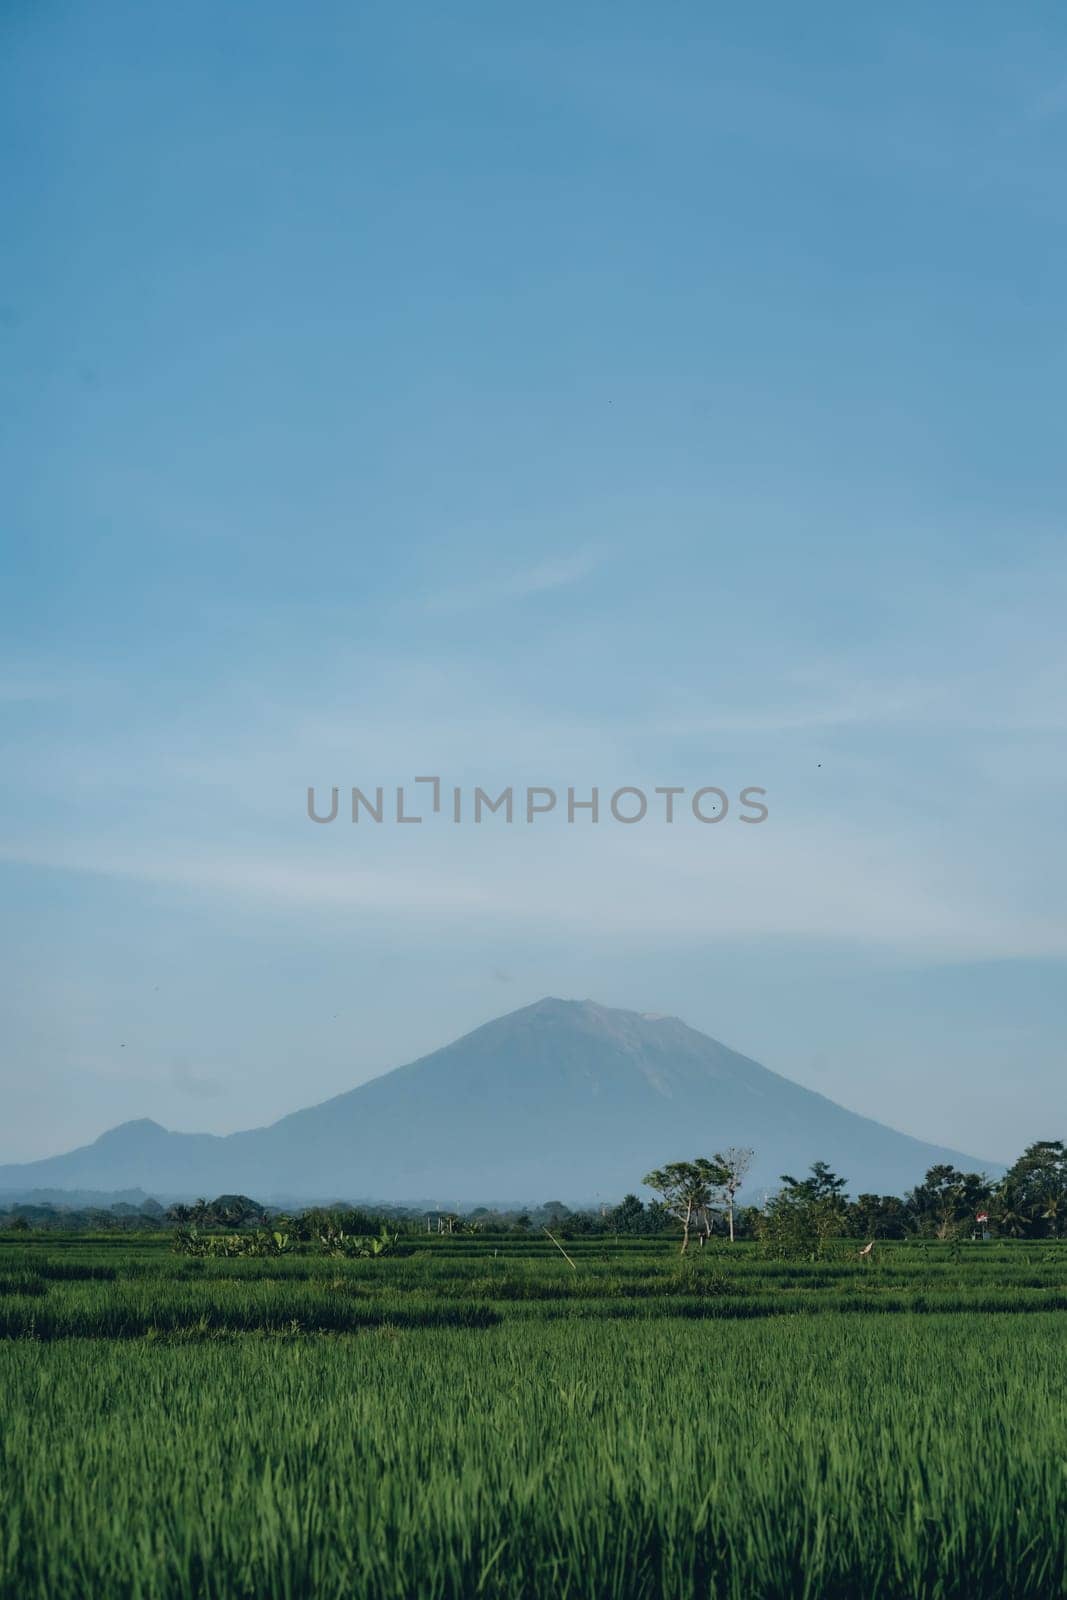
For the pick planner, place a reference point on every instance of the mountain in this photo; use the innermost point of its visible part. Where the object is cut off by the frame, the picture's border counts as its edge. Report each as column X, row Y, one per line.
column 563, row 1100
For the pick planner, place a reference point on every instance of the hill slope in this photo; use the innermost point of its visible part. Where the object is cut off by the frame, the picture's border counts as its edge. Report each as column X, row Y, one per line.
column 563, row 1099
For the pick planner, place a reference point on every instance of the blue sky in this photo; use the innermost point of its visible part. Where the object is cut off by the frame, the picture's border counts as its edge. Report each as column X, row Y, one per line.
column 532, row 395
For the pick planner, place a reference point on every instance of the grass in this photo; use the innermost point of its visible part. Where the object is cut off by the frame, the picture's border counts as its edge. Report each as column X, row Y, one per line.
column 454, row 1422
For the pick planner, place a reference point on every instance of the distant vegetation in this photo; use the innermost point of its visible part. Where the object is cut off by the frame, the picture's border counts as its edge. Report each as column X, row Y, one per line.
column 695, row 1199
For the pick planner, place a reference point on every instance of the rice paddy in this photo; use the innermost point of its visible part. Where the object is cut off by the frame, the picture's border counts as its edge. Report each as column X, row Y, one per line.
column 480, row 1417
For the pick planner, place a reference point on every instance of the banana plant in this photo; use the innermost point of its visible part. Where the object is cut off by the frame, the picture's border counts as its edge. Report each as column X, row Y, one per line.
column 382, row 1245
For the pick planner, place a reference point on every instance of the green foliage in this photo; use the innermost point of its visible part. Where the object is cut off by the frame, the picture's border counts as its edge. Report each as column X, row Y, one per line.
column 878, row 1216
column 334, row 1241
column 826, row 1456
column 947, row 1201
column 688, row 1191
column 191, row 1242
column 822, row 1184
column 308, row 1224
column 341, row 1404
column 805, row 1216
column 1032, row 1198
column 632, row 1216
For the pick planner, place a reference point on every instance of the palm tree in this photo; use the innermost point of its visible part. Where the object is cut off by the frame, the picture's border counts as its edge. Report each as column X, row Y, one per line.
column 1011, row 1220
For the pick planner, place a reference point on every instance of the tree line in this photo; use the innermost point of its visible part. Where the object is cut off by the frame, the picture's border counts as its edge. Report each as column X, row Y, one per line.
column 1028, row 1202
column 696, row 1199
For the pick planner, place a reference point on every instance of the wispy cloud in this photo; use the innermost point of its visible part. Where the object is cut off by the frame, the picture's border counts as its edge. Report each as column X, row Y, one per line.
column 813, row 881
column 495, row 589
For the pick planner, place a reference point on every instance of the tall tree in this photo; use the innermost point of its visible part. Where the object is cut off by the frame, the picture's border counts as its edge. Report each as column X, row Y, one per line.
column 821, row 1184
column 806, row 1213
column 687, row 1190
column 947, row 1198
column 629, row 1216
column 878, row 1216
column 1011, row 1217
column 733, row 1163
column 1036, row 1186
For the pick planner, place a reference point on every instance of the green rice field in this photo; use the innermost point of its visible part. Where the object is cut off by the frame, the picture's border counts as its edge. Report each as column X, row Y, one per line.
column 478, row 1417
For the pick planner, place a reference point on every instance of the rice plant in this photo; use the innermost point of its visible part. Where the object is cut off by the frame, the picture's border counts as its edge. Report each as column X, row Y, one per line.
column 454, row 1423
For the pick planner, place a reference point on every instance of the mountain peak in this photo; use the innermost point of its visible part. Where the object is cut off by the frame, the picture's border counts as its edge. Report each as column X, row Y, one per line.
column 136, row 1131
column 553, row 1005
column 556, row 1003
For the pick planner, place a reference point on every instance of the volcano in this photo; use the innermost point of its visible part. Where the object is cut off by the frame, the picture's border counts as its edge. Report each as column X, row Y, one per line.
column 564, row 1099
